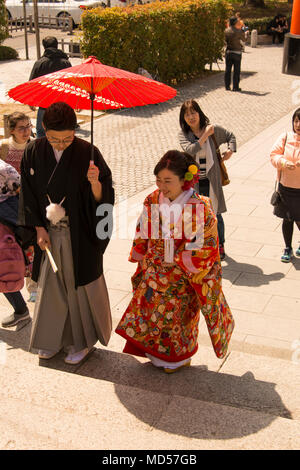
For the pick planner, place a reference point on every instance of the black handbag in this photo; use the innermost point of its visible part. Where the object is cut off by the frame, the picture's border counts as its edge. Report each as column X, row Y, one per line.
column 275, row 198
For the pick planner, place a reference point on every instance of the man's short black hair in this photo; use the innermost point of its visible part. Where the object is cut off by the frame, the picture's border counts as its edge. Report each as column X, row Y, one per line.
column 59, row 117
column 50, row 41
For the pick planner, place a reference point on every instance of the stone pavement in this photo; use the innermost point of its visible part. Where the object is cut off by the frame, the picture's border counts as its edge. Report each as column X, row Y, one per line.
column 249, row 400
column 133, row 140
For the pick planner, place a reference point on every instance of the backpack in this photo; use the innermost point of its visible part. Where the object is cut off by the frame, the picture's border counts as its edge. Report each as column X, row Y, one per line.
column 12, row 263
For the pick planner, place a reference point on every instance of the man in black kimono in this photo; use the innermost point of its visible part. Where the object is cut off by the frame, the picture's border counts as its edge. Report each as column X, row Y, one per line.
column 61, row 190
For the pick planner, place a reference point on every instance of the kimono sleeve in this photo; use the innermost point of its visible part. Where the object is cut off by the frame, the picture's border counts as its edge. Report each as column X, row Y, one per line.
column 199, row 256
column 105, row 178
column 29, row 209
column 140, row 242
column 99, row 216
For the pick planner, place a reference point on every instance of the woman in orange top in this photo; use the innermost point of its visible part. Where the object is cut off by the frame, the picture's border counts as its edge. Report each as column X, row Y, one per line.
column 285, row 156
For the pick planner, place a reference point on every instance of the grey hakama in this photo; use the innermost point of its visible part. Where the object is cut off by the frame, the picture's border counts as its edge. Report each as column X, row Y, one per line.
column 65, row 316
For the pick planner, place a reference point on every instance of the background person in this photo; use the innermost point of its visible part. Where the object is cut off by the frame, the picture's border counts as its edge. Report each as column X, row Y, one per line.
column 277, row 28
column 196, row 138
column 72, row 309
column 234, row 37
column 12, row 151
column 9, row 186
column 285, row 156
column 172, row 282
column 52, row 60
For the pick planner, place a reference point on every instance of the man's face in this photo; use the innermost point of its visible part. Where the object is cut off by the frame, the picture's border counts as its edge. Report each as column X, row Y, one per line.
column 60, row 140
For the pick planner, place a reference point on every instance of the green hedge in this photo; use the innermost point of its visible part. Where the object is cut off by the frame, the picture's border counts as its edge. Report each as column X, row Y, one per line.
column 173, row 39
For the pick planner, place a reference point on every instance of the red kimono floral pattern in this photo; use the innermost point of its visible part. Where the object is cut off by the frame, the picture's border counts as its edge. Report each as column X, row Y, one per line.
column 163, row 316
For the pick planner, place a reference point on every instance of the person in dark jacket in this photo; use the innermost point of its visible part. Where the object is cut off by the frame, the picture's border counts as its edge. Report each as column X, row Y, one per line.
column 277, row 28
column 66, row 197
column 52, row 60
column 233, row 37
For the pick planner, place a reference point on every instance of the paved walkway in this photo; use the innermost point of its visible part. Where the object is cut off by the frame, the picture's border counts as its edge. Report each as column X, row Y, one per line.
column 132, row 140
column 250, row 400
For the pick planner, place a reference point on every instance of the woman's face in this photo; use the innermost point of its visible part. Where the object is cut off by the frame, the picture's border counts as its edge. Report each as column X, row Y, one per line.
column 22, row 131
column 169, row 184
column 192, row 118
column 297, row 125
column 60, row 140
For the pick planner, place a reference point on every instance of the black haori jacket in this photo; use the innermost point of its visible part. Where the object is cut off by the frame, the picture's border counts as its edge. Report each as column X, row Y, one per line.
column 70, row 181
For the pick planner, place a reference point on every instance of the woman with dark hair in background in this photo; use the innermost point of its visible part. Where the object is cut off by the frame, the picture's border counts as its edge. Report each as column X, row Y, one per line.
column 199, row 138
column 285, row 156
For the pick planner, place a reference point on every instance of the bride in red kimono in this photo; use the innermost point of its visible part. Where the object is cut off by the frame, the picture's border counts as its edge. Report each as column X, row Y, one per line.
column 178, row 272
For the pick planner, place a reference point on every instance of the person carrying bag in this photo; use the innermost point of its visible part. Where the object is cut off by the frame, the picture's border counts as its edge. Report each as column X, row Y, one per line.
column 285, row 157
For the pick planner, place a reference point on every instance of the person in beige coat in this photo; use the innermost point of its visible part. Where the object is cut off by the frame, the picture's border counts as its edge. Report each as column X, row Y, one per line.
column 285, row 157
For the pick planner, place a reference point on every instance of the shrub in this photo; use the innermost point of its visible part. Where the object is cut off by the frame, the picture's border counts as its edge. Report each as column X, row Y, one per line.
column 7, row 53
column 173, row 39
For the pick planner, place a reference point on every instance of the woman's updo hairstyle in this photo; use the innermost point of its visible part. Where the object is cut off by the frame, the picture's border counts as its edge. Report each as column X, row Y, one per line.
column 175, row 161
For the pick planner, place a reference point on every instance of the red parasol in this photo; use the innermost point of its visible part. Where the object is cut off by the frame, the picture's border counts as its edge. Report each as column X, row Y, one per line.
column 92, row 85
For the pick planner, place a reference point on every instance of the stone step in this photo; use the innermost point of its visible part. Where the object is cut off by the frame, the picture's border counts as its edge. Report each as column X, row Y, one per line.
column 116, row 401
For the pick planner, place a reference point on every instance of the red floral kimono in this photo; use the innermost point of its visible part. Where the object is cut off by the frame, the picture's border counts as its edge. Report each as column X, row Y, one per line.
column 163, row 316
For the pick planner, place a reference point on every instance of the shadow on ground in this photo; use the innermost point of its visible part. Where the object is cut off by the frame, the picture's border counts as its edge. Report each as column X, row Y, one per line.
column 204, row 85
column 185, row 403
column 245, row 268
column 18, row 337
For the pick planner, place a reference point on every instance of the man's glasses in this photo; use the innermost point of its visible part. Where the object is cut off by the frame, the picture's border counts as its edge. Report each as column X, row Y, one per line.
column 24, row 128
column 67, row 140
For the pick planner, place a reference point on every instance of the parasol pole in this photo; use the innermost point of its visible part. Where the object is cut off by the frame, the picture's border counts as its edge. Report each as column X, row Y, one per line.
column 92, row 97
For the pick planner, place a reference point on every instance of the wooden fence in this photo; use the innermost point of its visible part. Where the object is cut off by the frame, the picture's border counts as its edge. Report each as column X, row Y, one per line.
column 63, row 22
column 73, row 48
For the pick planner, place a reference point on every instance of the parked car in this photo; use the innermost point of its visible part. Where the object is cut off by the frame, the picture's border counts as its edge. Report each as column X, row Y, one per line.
column 123, row 3
column 53, row 8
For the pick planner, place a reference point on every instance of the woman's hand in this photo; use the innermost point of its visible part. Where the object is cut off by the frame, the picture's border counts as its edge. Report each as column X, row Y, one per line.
column 42, row 237
column 226, row 155
column 209, row 130
column 289, row 165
